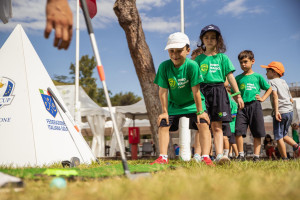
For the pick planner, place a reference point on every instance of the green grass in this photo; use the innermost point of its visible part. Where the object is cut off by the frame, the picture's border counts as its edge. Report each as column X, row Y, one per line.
column 240, row 180
column 103, row 170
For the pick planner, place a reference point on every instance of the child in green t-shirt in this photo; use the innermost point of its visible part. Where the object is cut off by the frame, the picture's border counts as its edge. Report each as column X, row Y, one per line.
column 179, row 92
column 229, row 138
column 250, row 84
column 215, row 67
column 295, row 128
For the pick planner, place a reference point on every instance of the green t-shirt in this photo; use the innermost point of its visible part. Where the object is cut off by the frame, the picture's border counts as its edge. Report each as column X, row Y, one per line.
column 295, row 136
column 179, row 82
column 233, row 108
column 214, row 68
column 250, row 85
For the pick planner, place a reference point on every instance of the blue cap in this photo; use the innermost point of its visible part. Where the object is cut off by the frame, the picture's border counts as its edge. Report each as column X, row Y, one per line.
column 210, row 28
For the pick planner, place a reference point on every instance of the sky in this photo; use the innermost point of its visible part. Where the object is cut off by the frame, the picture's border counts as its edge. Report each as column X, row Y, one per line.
column 270, row 28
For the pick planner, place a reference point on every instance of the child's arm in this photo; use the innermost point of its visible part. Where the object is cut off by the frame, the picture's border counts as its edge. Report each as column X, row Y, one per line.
column 265, row 96
column 235, row 88
column 275, row 100
column 163, row 96
column 198, row 101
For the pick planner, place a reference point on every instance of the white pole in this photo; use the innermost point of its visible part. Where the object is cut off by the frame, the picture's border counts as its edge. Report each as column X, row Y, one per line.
column 182, row 15
column 184, row 131
column 77, row 114
column 184, row 139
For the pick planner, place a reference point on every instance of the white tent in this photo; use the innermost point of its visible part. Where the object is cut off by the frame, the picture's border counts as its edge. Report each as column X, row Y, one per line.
column 87, row 105
column 95, row 115
column 296, row 110
column 34, row 130
column 134, row 111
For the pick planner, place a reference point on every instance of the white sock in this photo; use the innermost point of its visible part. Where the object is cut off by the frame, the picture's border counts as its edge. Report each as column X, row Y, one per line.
column 165, row 157
column 203, row 156
column 230, row 155
column 226, row 151
column 256, row 155
column 242, row 154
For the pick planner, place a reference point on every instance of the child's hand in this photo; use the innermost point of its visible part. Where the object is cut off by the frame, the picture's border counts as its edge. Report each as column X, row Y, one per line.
column 295, row 126
column 278, row 116
column 163, row 116
column 240, row 102
column 258, row 98
column 203, row 116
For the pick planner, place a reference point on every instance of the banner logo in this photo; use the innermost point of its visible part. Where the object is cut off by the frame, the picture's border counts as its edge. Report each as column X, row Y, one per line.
column 48, row 102
column 7, row 87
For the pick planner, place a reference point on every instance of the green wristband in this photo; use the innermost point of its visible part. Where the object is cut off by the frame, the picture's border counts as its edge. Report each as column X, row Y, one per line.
column 200, row 112
column 237, row 93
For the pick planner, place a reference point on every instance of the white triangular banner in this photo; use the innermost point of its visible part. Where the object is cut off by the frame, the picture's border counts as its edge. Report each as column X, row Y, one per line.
column 34, row 130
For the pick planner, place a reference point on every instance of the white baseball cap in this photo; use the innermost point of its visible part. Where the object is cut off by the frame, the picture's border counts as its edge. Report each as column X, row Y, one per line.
column 177, row 40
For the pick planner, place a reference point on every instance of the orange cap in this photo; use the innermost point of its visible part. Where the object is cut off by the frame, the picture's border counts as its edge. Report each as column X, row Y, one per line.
column 276, row 66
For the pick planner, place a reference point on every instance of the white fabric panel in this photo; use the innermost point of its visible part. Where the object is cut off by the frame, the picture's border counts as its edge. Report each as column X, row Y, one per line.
column 114, row 146
column 97, row 124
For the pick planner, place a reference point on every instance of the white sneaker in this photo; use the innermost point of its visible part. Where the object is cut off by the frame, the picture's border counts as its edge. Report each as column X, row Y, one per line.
column 197, row 157
column 223, row 160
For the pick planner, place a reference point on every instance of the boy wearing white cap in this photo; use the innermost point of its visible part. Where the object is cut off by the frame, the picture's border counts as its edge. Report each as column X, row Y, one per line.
column 179, row 92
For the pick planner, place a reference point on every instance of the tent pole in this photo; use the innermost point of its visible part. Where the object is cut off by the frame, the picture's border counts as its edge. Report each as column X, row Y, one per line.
column 133, row 120
column 182, row 15
column 77, row 114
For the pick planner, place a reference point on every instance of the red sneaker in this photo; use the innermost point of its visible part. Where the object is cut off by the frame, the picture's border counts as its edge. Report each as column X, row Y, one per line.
column 160, row 160
column 298, row 152
column 208, row 161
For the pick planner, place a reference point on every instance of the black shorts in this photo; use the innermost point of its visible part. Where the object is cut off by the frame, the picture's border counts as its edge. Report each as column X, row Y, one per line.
column 174, row 121
column 226, row 129
column 232, row 139
column 216, row 101
column 251, row 115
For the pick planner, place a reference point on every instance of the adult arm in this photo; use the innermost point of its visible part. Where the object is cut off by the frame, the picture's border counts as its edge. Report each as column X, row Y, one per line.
column 60, row 18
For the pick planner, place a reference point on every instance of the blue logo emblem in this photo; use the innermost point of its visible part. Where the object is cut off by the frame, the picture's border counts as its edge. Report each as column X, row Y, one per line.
column 7, row 87
column 49, row 103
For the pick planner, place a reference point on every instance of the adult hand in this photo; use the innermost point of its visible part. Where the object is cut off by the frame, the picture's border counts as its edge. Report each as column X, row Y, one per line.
column 203, row 116
column 60, row 18
column 163, row 116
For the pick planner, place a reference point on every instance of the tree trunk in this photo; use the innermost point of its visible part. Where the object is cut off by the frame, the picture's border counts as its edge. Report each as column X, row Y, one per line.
column 130, row 21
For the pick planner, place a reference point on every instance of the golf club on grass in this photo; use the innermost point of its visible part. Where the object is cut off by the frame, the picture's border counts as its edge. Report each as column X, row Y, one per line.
column 102, row 78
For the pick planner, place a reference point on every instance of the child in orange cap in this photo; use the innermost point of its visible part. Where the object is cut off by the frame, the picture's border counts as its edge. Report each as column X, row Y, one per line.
column 282, row 104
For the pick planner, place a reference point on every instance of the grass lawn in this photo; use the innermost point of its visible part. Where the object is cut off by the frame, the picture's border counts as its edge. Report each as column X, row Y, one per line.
column 179, row 180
